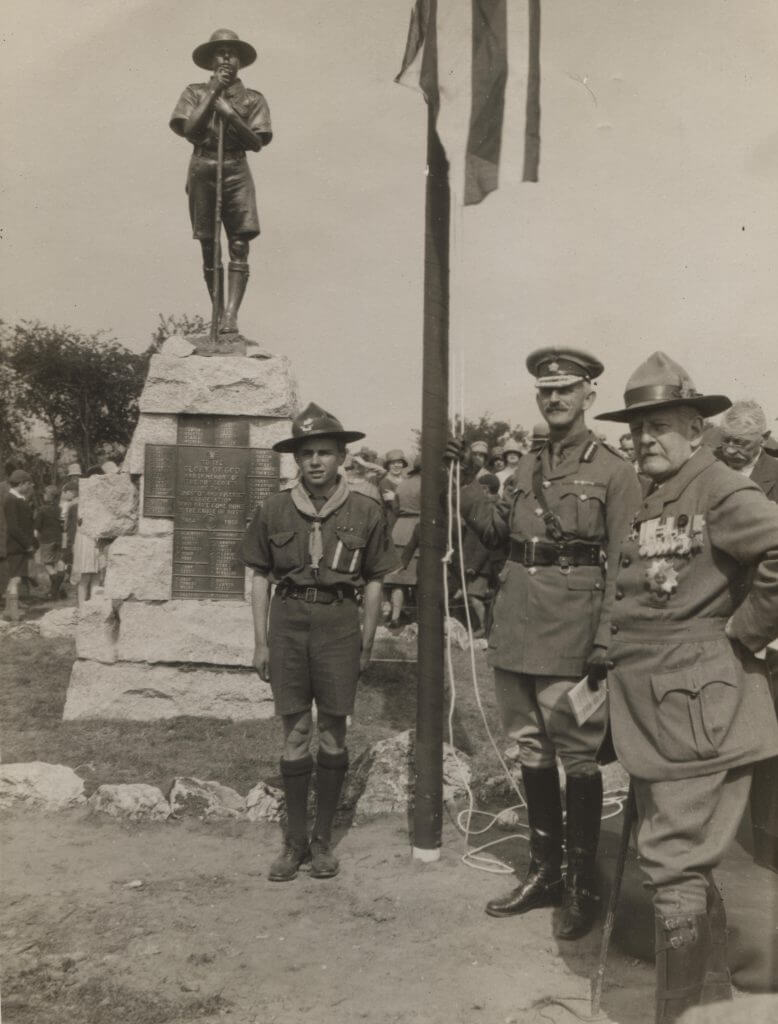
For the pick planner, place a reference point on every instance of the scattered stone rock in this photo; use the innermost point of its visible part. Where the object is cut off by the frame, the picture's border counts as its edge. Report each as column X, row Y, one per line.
column 177, row 346
column 140, row 568
column 205, row 799
column 35, row 784
column 264, row 803
column 380, row 780
column 135, row 801
column 97, row 629
column 59, row 624
column 220, row 385
column 198, row 632
column 458, row 633
column 108, row 506
column 141, row 692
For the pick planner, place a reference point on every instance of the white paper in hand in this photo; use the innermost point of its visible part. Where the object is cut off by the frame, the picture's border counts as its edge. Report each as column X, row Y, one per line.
column 584, row 701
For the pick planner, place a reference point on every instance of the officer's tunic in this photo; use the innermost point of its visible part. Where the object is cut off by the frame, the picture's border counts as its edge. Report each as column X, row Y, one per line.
column 548, row 617
column 690, row 709
column 315, row 647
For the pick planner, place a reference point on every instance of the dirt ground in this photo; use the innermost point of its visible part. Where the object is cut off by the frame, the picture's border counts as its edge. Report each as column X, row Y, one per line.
column 104, row 922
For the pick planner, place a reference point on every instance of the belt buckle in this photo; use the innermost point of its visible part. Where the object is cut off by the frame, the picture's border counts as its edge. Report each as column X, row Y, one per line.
column 529, row 551
column 310, row 595
column 564, row 565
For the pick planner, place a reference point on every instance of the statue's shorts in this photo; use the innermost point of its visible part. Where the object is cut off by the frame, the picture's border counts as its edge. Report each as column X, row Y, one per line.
column 314, row 655
column 239, row 202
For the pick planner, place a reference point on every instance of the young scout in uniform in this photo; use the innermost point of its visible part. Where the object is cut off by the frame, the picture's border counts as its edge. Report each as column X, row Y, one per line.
column 696, row 597
column 246, row 119
column 563, row 513
column 321, row 543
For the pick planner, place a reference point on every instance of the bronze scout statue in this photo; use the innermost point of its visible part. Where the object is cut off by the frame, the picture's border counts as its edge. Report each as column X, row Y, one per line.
column 691, row 711
column 562, row 516
column 246, row 118
column 322, row 544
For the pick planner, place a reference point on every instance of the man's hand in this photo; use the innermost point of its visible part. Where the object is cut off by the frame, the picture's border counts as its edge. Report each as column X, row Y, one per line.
column 597, row 667
column 222, row 77
column 221, row 106
column 455, row 450
column 262, row 662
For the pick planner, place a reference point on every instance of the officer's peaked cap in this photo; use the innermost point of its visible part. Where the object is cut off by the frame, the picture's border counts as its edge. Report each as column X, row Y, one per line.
column 314, row 421
column 561, row 367
column 660, row 382
column 203, row 54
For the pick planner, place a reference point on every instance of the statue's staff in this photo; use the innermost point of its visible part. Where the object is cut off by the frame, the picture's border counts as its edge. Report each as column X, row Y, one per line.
column 218, row 276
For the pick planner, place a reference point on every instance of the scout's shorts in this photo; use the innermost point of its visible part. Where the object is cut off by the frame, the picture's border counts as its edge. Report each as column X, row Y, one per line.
column 239, row 204
column 314, row 655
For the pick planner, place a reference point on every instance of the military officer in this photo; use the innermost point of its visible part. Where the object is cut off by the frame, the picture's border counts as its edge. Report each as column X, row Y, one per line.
column 563, row 513
column 321, row 543
column 696, row 597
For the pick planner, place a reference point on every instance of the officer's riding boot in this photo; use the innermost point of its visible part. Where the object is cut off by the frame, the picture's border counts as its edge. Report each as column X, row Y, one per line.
column 296, row 777
column 238, row 279
column 543, row 885
column 208, row 275
column 330, row 772
column 584, row 808
column 717, row 986
column 681, row 946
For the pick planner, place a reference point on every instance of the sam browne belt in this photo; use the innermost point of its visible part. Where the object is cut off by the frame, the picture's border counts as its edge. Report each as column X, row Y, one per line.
column 564, row 553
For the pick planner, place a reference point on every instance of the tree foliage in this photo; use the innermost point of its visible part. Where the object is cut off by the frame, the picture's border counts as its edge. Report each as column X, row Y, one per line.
column 494, row 432
column 185, row 324
column 85, row 388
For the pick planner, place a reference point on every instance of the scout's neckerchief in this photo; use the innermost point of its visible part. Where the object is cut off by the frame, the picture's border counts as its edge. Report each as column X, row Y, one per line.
column 551, row 519
column 304, row 505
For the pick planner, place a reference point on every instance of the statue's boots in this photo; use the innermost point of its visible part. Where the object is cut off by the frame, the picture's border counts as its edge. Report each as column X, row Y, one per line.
column 330, row 772
column 717, row 986
column 581, row 902
column 543, row 885
column 296, row 776
column 208, row 275
column 682, row 945
column 238, row 277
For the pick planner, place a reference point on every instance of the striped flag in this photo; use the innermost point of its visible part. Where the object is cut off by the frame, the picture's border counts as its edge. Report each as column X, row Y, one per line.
column 456, row 55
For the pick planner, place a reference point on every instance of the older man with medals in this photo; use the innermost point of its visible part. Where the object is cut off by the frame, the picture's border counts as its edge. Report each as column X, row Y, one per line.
column 691, row 713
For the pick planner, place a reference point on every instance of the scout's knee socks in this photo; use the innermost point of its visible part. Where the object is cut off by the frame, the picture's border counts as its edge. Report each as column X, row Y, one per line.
column 330, row 772
column 296, row 776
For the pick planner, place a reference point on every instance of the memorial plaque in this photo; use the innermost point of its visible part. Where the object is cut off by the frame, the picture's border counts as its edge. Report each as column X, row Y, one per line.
column 210, row 483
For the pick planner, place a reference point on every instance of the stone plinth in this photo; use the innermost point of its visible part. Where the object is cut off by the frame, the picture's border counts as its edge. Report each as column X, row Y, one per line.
column 195, row 632
column 108, row 506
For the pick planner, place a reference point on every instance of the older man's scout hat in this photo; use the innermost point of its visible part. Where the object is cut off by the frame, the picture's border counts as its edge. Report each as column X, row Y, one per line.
column 313, row 421
column 203, row 54
column 561, row 367
column 660, row 382
column 395, row 455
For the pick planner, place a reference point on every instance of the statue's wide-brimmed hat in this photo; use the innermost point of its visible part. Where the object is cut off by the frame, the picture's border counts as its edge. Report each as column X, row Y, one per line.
column 395, row 455
column 660, row 382
column 560, row 367
column 203, row 54
column 314, row 421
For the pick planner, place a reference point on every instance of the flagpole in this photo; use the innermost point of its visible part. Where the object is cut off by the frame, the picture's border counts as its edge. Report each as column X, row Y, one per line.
column 428, row 760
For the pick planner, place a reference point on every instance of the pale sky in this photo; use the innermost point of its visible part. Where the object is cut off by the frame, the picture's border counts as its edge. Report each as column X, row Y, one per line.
column 654, row 224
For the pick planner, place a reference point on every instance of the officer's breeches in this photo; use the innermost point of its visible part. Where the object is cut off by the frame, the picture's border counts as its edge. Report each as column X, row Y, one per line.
column 684, row 829
column 536, row 712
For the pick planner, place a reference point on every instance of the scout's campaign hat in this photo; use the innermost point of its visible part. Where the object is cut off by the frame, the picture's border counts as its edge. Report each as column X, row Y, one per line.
column 561, row 367
column 480, row 446
column 395, row 455
column 313, row 421
column 660, row 382
column 203, row 54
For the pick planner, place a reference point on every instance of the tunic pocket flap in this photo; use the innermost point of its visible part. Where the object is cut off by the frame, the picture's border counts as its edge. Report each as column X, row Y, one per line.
column 578, row 580
column 692, row 679
column 350, row 539
column 281, row 538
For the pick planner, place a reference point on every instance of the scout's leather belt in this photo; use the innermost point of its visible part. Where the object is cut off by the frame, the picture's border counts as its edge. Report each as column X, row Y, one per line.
column 211, row 154
column 315, row 595
column 564, row 553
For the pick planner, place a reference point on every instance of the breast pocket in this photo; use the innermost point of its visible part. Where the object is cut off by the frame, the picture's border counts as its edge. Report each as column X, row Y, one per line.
column 696, row 705
column 348, row 552
column 582, row 510
column 285, row 551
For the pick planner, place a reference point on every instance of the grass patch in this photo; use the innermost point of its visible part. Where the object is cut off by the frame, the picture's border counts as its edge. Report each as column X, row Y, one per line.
column 35, row 680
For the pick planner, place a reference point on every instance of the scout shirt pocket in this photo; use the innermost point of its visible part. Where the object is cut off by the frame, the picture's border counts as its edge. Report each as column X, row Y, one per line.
column 581, row 508
column 696, row 705
column 347, row 553
column 284, row 552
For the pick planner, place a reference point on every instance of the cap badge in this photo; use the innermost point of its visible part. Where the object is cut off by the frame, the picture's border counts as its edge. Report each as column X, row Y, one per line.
column 307, row 425
column 553, row 367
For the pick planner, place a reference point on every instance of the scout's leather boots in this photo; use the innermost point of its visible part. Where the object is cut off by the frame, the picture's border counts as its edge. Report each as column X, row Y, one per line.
column 208, row 275
column 296, row 776
column 584, row 810
column 543, row 885
column 682, row 946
